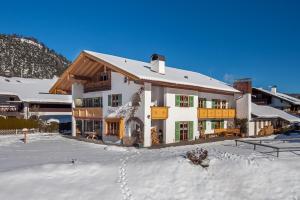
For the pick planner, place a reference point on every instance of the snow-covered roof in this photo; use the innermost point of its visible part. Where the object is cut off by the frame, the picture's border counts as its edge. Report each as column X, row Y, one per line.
column 270, row 112
column 172, row 75
column 282, row 96
column 32, row 90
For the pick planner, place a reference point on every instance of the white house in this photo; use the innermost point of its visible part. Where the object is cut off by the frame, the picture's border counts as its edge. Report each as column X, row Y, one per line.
column 119, row 98
column 258, row 112
column 276, row 99
column 27, row 97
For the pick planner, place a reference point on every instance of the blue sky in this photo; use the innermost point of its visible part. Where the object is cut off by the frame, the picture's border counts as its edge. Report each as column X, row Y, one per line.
column 223, row 39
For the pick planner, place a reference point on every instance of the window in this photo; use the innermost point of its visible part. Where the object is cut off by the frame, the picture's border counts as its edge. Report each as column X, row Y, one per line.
column 88, row 126
column 202, row 126
column 216, row 103
column 11, row 98
column 98, row 126
column 184, row 130
column 202, row 103
column 113, row 128
column 98, row 102
column 184, row 101
column 217, row 124
column 103, row 76
column 92, row 126
column 115, row 100
column 88, row 102
column 224, row 104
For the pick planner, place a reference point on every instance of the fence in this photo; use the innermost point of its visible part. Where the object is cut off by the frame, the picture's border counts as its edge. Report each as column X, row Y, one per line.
column 14, row 131
column 14, row 123
column 277, row 149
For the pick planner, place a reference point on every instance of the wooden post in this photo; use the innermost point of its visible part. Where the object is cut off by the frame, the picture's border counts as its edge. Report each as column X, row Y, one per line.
column 25, row 132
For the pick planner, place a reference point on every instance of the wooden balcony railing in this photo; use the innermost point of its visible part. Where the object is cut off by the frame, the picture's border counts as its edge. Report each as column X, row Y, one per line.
column 159, row 112
column 88, row 113
column 213, row 113
column 97, row 86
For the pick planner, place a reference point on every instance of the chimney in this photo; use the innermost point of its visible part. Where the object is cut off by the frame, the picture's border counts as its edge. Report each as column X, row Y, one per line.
column 244, row 85
column 274, row 89
column 158, row 63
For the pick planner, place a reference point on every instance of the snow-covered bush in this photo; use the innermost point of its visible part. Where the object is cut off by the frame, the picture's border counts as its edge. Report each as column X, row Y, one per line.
column 198, row 157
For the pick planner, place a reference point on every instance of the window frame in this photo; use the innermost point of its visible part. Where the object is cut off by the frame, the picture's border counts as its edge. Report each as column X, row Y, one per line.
column 202, row 103
column 116, row 100
column 113, row 128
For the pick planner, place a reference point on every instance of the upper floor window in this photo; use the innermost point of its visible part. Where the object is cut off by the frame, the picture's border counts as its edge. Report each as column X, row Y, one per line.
column 218, row 104
column 115, row 100
column 202, row 103
column 224, row 104
column 97, row 102
column 184, row 101
column 89, row 102
column 103, row 76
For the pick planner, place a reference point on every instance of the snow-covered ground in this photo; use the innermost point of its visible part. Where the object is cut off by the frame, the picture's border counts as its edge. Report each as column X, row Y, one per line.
column 43, row 169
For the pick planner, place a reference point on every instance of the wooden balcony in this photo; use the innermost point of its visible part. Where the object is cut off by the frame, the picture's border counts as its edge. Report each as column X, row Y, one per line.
column 88, row 113
column 159, row 112
column 212, row 113
column 97, row 86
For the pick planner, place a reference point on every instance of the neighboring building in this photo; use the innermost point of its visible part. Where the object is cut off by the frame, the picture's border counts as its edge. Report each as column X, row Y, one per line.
column 276, row 99
column 258, row 111
column 119, row 98
column 30, row 98
column 295, row 95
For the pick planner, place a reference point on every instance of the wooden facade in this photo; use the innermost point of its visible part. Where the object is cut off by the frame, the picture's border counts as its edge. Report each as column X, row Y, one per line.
column 212, row 113
column 159, row 112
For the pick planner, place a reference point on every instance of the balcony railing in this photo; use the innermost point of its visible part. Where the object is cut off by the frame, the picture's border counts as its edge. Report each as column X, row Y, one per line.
column 97, row 86
column 88, row 113
column 159, row 112
column 214, row 113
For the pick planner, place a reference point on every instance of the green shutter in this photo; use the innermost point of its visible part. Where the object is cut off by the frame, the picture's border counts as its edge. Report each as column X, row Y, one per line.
column 212, row 125
column 191, row 130
column 222, row 124
column 191, row 101
column 177, row 131
column 120, row 99
column 109, row 100
column 177, row 100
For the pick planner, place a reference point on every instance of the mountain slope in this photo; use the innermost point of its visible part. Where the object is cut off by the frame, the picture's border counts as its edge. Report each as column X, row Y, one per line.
column 27, row 57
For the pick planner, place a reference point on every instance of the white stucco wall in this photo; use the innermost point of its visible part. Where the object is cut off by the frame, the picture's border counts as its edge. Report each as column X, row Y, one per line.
column 179, row 113
column 77, row 92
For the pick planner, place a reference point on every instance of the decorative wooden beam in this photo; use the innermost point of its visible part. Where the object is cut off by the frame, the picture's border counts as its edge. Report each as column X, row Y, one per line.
column 79, row 77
